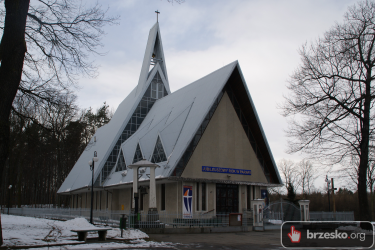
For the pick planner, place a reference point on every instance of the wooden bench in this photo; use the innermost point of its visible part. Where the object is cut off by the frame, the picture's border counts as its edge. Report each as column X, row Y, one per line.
column 82, row 233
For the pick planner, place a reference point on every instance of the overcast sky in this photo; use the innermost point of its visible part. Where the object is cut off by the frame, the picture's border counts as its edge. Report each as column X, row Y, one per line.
column 201, row 36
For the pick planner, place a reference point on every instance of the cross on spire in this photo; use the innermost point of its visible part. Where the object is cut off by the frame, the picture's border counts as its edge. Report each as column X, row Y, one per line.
column 157, row 15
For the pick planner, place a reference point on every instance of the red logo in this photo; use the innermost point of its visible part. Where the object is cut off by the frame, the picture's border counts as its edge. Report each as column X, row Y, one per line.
column 294, row 235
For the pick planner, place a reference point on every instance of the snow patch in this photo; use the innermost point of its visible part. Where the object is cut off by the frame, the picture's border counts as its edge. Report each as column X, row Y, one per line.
column 28, row 231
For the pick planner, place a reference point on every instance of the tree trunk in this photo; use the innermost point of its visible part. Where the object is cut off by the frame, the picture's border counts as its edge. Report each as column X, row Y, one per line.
column 364, row 211
column 12, row 54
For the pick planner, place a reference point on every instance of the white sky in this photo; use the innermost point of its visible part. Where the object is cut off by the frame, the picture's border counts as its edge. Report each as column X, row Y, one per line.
column 201, row 36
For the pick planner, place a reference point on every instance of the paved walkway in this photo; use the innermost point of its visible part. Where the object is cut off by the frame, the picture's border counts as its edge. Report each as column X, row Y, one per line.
column 240, row 240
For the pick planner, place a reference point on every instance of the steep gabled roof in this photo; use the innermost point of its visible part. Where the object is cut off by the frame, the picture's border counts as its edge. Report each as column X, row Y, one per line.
column 177, row 117
column 154, row 47
column 108, row 135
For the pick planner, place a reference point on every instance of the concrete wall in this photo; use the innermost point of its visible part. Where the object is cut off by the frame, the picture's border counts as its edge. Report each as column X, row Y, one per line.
column 224, row 144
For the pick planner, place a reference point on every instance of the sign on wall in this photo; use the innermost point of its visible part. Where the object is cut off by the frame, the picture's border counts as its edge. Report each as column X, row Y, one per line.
column 226, row 170
column 187, row 202
column 264, row 195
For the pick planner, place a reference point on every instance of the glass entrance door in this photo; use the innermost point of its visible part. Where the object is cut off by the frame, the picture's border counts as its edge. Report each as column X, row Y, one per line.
column 226, row 198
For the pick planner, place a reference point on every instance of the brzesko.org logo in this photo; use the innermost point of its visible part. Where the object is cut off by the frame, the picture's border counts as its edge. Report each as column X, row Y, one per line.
column 327, row 234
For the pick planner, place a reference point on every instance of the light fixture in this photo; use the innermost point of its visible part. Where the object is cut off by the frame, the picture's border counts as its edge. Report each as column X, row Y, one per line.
column 124, row 173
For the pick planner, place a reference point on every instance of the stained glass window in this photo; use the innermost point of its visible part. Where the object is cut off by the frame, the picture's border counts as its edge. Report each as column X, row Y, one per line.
column 135, row 121
column 157, row 87
column 121, row 162
column 138, row 154
column 159, row 154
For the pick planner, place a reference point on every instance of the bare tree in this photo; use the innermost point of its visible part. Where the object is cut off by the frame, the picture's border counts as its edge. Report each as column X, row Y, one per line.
column 289, row 173
column 307, row 174
column 332, row 95
column 44, row 47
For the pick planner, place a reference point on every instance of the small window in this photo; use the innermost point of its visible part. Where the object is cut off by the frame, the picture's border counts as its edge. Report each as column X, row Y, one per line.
column 162, row 196
column 204, row 196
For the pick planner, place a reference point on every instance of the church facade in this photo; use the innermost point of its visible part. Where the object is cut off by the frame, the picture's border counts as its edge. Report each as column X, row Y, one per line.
column 206, row 139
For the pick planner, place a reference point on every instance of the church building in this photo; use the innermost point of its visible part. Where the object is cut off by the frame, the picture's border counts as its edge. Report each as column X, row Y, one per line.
column 206, row 139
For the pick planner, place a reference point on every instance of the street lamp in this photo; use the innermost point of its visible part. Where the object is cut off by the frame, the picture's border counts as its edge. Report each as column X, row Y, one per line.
column 91, row 164
column 10, row 186
column 328, row 185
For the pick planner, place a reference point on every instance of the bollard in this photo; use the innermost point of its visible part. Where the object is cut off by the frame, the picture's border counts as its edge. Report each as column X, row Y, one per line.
column 122, row 224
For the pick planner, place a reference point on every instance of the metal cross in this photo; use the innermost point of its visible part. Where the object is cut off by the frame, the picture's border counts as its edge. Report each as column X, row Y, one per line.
column 157, row 16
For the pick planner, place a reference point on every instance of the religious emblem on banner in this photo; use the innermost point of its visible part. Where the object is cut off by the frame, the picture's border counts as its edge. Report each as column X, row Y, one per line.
column 188, row 200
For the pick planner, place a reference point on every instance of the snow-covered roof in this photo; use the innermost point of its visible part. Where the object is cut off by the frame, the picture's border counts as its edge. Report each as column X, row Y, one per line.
column 174, row 119
column 107, row 136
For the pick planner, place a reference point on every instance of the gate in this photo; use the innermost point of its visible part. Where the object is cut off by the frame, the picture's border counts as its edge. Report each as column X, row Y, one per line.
column 281, row 210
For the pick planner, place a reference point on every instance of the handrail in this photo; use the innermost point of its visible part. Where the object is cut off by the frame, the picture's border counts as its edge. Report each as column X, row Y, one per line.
column 208, row 211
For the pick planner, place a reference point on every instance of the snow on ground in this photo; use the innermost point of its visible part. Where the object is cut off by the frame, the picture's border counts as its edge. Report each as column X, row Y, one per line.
column 135, row 244
column 22, row 231
column 356, row 229
column 277, row 222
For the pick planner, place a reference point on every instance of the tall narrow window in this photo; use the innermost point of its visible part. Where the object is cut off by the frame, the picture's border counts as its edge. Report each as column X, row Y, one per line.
column 86, row 201
column 162, row 196
column 197, row 197
column 121, row 162
column 159, row 154
column 254, row 193
column 106, row 206
column 157, row 87
column 138, row 154
column 248, row 195
column 204, row 196
column 77, row 202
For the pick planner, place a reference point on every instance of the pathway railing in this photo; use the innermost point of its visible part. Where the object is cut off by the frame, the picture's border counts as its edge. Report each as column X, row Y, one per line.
column 145, row 220
column 332, row 216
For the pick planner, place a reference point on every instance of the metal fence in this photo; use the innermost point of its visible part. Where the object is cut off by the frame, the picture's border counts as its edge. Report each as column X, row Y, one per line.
column 160, row 220
column 281, row 210
column 332, row 216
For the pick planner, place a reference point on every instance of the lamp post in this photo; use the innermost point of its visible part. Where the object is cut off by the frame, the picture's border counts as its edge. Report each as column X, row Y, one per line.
column 10, row 186
column 92, row 163
column 328, row 184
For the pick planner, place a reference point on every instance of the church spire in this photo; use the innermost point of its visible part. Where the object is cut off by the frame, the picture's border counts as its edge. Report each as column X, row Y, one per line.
column 154, row 57
column 157, row 15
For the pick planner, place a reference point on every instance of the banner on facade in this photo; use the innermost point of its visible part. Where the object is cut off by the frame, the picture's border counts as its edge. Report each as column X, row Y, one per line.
column 188, row 202
column 264, row 195
column 226, row 170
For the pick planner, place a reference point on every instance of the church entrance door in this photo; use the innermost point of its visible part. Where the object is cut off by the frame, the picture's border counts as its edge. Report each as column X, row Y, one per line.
column 226, row 198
